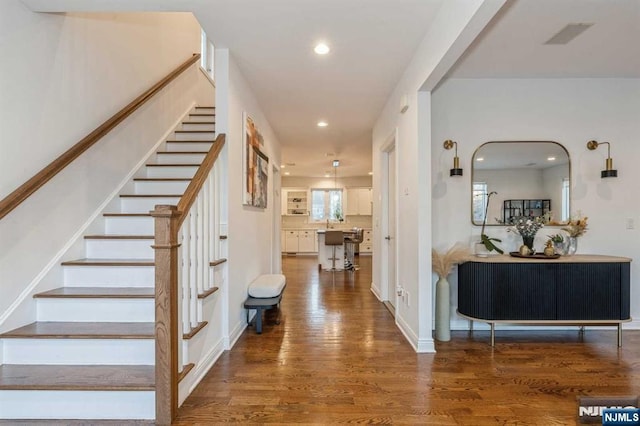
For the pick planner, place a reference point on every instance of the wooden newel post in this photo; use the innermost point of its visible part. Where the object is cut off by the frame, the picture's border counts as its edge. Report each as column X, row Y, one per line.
column 166, row 300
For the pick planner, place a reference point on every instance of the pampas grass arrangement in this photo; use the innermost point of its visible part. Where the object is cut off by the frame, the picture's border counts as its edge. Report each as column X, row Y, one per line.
column 443, row 262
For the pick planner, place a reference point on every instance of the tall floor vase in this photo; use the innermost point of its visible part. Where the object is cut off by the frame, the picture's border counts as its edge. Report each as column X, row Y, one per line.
column 443, row 308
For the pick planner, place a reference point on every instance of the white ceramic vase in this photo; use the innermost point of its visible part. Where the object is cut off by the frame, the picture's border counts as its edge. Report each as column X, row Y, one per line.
column 443, row 310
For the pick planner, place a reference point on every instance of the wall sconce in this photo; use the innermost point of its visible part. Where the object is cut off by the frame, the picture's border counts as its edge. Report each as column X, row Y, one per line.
column 608, row 171
column 456, row 171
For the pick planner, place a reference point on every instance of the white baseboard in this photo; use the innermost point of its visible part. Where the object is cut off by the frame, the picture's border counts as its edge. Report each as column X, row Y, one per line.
column 376, row 291
column 235, row 334
column 418, row 345
column 189, row 383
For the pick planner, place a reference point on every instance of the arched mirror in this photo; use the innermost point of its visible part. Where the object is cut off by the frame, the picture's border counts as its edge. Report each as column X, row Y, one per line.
column 530, row 178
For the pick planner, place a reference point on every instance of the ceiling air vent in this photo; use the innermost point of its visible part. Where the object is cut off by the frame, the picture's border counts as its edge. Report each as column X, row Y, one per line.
column 568, row 33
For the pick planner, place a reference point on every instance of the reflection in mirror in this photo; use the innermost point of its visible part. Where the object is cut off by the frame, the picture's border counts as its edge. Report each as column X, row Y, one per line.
column 531, row 178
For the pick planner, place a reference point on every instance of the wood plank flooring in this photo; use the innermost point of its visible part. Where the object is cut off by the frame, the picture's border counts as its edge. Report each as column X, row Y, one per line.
column 338, row 357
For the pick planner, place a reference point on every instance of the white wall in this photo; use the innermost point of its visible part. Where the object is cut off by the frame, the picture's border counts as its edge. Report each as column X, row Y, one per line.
column 455, row 26
column 571, row 112
column 254, row 234
column 63, row 75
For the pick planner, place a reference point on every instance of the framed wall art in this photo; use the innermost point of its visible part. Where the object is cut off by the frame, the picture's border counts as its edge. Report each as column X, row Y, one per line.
column 255, row 165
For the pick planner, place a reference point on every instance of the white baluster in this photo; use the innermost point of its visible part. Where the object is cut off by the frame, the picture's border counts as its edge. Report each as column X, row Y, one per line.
column 205, row 235
column 193, row 285
column 184, row 277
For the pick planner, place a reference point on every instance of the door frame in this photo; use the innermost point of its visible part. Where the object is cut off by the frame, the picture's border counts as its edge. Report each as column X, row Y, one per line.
column 388, row 146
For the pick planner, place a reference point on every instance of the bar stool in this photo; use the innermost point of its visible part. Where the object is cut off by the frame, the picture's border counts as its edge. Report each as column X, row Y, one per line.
column 350, row 245
column 333, row 238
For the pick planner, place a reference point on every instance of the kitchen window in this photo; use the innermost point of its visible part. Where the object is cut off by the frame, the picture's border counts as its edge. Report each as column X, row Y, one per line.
column 326, row 204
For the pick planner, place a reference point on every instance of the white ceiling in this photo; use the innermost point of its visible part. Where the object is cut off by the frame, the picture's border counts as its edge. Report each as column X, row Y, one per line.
column 512, row 46
column 372, row 42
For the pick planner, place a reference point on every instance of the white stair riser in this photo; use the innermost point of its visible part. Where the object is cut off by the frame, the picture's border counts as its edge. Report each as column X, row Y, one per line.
column 96, row 310
column 117, row 225
column 179, row 158
column 188, row 146
column 79, row 351
column 119, row 249
column 209, row 125
column 207, row 118
column 171, row 172
column 40, row 404
column 144, row 204
column 109, row 276
column 200, row 136
column 161, row 187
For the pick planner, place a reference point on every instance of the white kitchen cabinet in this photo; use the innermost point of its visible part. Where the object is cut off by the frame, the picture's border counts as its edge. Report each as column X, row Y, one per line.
column 299, row 241
column 306, row 241
column 359, row 202
column 291, row 241
column 366, row 246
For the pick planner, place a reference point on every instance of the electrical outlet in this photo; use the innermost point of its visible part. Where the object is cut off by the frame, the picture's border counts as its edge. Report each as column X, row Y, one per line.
column 630, row 223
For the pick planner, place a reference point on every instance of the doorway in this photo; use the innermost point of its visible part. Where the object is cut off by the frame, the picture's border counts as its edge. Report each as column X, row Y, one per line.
column 276, row 240
column 389, row 204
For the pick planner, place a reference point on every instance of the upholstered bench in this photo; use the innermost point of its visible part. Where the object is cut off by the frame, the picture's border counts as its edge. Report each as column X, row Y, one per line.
column 265, row 292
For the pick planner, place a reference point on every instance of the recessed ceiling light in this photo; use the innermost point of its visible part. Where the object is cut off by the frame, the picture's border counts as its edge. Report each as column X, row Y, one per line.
column 321, row 49
column 480, row 159
column 283, row 166
column 287, row 173
column 322, row 124
column 370, row 173
column 551, row 158
column 327, row 175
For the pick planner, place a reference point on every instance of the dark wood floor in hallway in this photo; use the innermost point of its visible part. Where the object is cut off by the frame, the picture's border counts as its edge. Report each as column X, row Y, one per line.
column 338, row 357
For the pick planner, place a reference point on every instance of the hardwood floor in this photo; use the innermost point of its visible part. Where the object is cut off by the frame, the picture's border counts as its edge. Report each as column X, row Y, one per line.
column 338, row 357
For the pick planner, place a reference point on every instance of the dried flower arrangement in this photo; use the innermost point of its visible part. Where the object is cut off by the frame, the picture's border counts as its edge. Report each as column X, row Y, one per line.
column 577, row 225
column 443, row 262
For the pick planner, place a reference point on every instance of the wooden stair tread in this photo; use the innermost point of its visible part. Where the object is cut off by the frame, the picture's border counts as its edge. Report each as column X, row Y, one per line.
column 208, row 293
column 118, row 237
column 195, row 330
column 83, row 330
column 98, row 293
column 77, row 377
column 198, row 122
column 109, row 262
column 217, row 262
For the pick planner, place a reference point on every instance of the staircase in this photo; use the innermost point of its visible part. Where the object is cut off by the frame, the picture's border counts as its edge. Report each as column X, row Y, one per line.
column 90, row 354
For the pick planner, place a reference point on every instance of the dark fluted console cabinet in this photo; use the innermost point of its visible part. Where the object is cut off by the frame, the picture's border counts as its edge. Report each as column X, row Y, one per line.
column 571, row 290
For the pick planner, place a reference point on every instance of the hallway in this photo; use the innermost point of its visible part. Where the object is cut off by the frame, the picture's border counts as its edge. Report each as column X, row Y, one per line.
column 338, row 357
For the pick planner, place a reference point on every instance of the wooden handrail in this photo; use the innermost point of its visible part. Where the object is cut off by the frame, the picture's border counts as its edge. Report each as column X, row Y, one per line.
column 190, row 194
column 23, row 192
